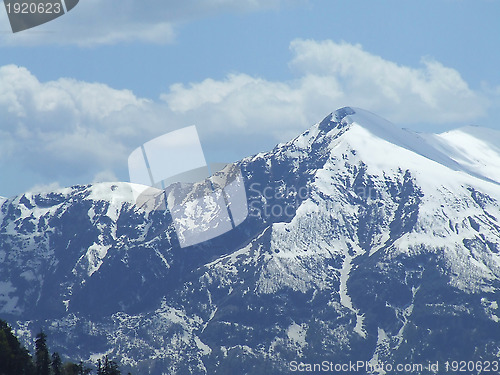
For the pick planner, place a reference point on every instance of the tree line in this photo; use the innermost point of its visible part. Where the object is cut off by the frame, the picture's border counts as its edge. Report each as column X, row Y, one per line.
column 16, row 359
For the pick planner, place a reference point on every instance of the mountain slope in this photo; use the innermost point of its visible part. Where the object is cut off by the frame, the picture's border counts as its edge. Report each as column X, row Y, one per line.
column 364, row 242
column 475, row 148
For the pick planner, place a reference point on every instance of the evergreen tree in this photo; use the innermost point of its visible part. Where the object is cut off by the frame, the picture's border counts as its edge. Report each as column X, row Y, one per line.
column 70, row 369
column 42, row 359
column 113, row 368
column 99, row 367
column 14, row 358
column 6, row 357
column 56, row 364
column 105, row 366
column 83, row 370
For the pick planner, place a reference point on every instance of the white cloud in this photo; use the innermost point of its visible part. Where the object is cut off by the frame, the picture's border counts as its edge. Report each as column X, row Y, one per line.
column 41, row 188
column 94, row 22
column 77, row 126
column 330, row 75
column 432, row 93
column 104, row 176
column 69, row 130
column 240, row 103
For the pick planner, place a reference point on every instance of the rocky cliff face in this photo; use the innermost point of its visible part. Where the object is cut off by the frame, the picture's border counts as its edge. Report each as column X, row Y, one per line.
column 364, row 242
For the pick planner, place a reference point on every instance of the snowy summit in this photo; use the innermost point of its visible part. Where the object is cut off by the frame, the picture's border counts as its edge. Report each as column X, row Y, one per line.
column 363, row 242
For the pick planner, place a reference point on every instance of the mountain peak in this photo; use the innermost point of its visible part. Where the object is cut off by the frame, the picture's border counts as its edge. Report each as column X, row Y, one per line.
column 379, row 127
column 335, row 119
column 372, row 134
column 374, row 137
column 352, row 222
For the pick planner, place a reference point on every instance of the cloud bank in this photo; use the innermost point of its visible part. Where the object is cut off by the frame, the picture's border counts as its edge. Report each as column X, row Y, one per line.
column 69, row 130
column 98, row 22
column 331, row 75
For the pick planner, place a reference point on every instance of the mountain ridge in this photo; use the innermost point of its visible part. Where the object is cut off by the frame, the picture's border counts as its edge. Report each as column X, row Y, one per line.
column 354, row 249
column 474, row 147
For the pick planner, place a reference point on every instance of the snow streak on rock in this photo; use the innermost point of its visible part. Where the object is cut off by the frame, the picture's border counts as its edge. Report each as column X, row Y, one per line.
column 364, row 242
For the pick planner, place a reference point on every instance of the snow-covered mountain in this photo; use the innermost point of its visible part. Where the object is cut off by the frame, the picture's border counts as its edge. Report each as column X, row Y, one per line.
column 364, row 242
column 473, row 147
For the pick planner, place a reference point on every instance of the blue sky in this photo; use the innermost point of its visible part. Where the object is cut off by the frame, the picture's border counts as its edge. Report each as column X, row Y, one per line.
column 78, row 94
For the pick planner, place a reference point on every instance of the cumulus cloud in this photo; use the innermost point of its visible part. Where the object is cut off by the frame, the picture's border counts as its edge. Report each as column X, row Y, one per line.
column 41, row 188
column 330, row 75
column 95, row 22
column 66, row 127
column 68, row 130
column 240, row 103
column 432, row 93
